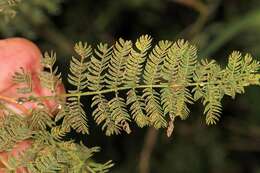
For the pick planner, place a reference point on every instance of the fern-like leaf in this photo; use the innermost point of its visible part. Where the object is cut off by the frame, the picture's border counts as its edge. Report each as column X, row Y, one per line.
column 238, row 73
column 77, row 116
column 117, row 63
column 233, row 74
column 98, row 65
column 134, row 64
column 134, row 68
column 23, row 78
column 40, row 119
column 152, row 77
column 160, row 82
column 137, row 108
column 50, row 77
column 47, row 162
column 78, row 78
column 153, row 108
column 187, row 55
column 212, row 106
column 13, row 129
column 58, row 132
column 102, row 114
column 207, row 76
column 114, row 79
column 79, row 65
column 119, row 113
column 96, row 77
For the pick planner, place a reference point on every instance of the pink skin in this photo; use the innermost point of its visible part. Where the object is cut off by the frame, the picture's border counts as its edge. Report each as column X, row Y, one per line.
column 18, row 149
column 16, row 53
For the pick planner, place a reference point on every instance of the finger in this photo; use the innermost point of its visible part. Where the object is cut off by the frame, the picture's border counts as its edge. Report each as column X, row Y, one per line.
column 14, row 54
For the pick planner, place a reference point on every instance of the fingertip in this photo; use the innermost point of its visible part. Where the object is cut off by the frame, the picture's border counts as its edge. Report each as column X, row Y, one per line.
column 20, row 42
column 16, row 53
column 19, row 49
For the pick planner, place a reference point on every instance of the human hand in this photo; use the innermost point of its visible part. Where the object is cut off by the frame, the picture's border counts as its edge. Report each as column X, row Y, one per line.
column 14, row 54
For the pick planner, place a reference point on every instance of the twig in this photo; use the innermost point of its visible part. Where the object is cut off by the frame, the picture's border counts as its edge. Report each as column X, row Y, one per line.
column 150, row 141
column 205, row 12
column 15, row 104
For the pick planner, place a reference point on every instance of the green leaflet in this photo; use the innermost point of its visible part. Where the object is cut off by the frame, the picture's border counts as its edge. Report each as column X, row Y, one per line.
column 134, row 68
column 78, row 78
column 137, row 108
column 210, row 92
column 117, row 63
column 49, row 77
column 151, row 77
column 49, row 155
column 13, row 129
column 23, row 78
column 40, row 119
column 102, row 113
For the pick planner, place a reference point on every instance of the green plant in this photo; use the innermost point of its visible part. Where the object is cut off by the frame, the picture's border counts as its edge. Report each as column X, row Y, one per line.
column 159, row 83
column 150, row 85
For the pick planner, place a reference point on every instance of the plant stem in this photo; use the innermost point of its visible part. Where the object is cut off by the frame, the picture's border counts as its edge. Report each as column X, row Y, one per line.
column 105, row 91
column 4, row 164
column 88, row 93
column 15, row 104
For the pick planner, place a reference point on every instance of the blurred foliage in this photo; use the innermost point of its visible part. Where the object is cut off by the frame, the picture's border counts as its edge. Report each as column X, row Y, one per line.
column 29, row 12
column 216, row 26
column 7, row 9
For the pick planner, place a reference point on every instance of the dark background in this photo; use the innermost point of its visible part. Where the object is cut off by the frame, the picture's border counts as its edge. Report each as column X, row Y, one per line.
column 216, row 27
